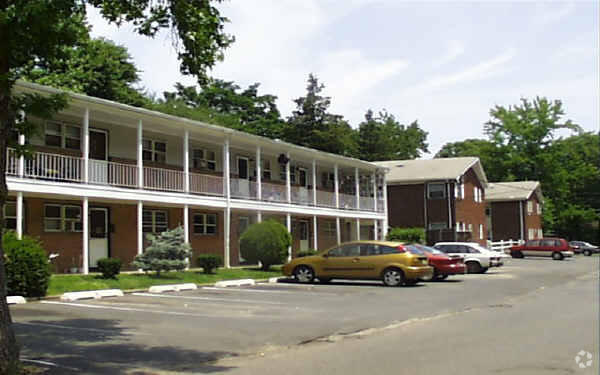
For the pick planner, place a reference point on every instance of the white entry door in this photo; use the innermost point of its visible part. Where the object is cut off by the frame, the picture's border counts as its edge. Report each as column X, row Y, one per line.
column 303, row 235
column 98, row 243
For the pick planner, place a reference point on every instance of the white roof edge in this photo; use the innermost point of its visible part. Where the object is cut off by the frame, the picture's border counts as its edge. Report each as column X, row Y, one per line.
column 146, row 112
column 483, row 178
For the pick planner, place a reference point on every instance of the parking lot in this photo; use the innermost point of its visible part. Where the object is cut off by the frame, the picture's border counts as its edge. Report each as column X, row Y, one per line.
column 186, row 332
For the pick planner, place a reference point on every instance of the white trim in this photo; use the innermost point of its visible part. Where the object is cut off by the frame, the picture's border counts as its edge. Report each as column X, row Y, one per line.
column 315, row 233
column 314, row 182
column 86, row 235
column 186, row 160
column 357, row 188
column 338, row 233
column 19, row 219
column 186, row 223
column 258, row 174
column 288, row 181
column 357, row 229
column 384, row 224
column 140, row 153
column 336, row 186
column 288, row 224
column 140, row 231
column 86, row 145
column 375, row 229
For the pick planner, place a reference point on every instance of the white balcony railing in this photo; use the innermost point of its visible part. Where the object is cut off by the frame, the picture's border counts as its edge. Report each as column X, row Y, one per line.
column 243, row 188
column 206, row 184
column 367, row 204
column 46, row 166
column 325, row 198
column 163, row 179
column 110, row 173
column 348, row 201
column 301, row 195
column 273, row 192
column 12, row 162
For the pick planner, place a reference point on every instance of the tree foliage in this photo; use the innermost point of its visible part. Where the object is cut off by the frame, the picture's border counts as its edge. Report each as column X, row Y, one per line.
column 266, row 242
column 382, row 137
column 167, row 251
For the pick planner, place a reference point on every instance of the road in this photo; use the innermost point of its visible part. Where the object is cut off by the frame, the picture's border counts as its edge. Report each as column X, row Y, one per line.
column 532, row 316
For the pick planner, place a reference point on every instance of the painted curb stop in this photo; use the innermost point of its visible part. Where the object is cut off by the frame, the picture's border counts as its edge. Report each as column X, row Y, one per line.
column 15, row 300
column 91, row 294
column 230, row 283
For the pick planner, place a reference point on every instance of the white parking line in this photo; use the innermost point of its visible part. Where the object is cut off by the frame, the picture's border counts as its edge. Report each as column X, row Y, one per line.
column 207, row 298
column 60, row 326
column 249, row 290
column 90, row 306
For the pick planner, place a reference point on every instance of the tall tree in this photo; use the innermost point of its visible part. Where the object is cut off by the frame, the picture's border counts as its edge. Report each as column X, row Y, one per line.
column 223, row 103
column 36, row 32
column 491, row 156
column 96, row 67
column 311, row 125
column 384, row 138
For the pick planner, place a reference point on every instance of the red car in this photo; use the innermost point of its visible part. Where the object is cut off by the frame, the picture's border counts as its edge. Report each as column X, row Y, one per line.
column 557, row 248
column 443, row 265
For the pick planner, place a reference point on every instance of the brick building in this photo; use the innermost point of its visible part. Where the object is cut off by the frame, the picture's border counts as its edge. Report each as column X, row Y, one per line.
column 514, row 210
column 445, row 196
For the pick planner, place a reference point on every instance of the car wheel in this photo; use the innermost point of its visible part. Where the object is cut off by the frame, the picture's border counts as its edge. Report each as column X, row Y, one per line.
column 433, row 277
column 411, row 282
column 484, row 269
column 304, row 274
column 442, row 277
column 473, row 267
column 393, row 277
column 557, row 256
column 587, row 253
column 517, row 254
column 324, row 280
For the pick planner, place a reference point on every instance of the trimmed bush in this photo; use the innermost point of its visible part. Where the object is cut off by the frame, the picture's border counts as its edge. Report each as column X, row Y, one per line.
column 265, row 242
column 409, row 235
column 209, row 262
column 167, row 251
column 109, row 267
column 27, row 266
column 306, row 253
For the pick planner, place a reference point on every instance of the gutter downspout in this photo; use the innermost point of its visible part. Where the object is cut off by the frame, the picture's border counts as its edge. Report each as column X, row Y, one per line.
column 521, row 220
column 449, row 209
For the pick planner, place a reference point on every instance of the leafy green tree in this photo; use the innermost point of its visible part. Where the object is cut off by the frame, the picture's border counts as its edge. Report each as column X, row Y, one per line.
column 223, row 103
column 311, row 125
column 491, row 156
column 266, row 242
column 384, row 138
column 36, row 32
column 95, row 67
column 167, row 251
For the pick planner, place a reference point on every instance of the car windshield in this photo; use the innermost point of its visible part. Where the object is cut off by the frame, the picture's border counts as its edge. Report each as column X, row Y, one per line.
column 430, row 250
column 414, row 250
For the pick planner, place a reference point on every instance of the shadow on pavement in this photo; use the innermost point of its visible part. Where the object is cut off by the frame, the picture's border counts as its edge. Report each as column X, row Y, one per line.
column 99, row 346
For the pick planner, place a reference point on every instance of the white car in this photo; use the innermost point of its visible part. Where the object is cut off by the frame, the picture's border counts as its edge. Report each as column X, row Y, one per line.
column 477, row 258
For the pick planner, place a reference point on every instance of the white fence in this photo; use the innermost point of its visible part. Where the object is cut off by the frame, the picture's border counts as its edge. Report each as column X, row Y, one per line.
column 503, row 245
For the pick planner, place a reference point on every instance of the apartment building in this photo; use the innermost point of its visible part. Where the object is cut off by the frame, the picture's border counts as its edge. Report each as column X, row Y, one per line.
column 104, row 174
column 444, row 196
column 514, row 210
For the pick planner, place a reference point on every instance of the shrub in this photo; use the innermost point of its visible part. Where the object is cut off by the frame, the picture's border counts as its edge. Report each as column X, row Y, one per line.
column 167, row 251
column 412, row 235
column 265, row 242
column 209, row 262
column 306, row 253
column 27, row 266
column 109, row 267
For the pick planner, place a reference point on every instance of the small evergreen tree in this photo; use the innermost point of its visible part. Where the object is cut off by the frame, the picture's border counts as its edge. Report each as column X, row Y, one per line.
column 167, row 251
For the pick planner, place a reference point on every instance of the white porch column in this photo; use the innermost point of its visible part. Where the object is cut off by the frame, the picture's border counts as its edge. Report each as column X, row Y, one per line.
column 227, row 192
column 86, row 146
column 140, row 161
column 288, row 224
column 20, row 215
column 86, row 236
column 186, row 229
column 358, row 229
column 21, row 158
column 186, row 161
column 288, row 181
column 357, row 187
column 375, row 191
column 315, row 234
column 258, row 176
column 336, row 185
column 314, row 183
column 338, row 230
column 140, row 232
column 375, row 229
column 259, row 217
column 384, row 225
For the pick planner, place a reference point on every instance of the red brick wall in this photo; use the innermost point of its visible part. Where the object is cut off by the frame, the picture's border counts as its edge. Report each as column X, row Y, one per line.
column 469, row 211
column 405, row 206
column 506, row 224
column 532, row 220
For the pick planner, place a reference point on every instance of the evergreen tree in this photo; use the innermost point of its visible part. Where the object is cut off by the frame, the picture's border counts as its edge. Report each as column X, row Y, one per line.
column 167, row 251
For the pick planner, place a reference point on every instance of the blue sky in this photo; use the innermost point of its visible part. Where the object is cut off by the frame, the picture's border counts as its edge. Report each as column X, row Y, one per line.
column 444, row 64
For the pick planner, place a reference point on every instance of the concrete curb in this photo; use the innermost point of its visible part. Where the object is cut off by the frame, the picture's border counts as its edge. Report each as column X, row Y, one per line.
column 172, row 288
column 15, row 300
column 273, row 280
column 229, row 283
column 91, row 294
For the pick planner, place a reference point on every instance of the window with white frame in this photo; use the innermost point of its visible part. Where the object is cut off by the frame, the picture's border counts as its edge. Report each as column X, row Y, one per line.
column 62, row 218
column 203, row 159
column 478, row 194
column 10, row 215
column 531, row 233
column 328, row 180
column 266, row 169
column 481, row 231
column 205, row 223
column 471, row 228
column 540, row 233
column 154, row 221
column 58, row 134
column 459, row 190
column 529, row 207
column 436, row 190
column 330, row 229
column 437, row 226
column 153, row 150
column 539, row 208
column 292, row 173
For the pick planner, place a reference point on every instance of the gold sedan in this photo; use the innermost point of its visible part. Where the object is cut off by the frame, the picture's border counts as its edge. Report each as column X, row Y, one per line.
column 364, row 260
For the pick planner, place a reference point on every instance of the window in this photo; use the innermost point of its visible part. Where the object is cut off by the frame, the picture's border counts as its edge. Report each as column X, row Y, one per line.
column 352, row 250
column 470, row 228
column 387, row 250
column 203, row 159
column 292, row 174
column 205, row 223
column 154, row 221
column 436, row 191
column 539, row 209
column 548, row 243
column 435, row 226
column 477, row 194
column 328, row 180
column 529, row 207
column 530, row 233
column 10, row 215
column 266, row 169
column 154, row 151
column 337, row 252
column 62, row 218
column 481, row 231
column 459, row 190
column 62, row 135
column 330, row 229
column 540, row 233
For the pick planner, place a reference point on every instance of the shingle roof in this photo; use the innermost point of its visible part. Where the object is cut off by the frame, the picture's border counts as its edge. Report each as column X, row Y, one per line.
column 512, row 191
column 415, row 171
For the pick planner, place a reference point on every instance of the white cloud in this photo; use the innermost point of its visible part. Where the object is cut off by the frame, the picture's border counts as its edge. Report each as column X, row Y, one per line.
column 454, row 49
column 552, row 12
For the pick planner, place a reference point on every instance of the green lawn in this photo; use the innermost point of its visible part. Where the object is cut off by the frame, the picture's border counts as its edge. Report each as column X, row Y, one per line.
column 72, row 283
